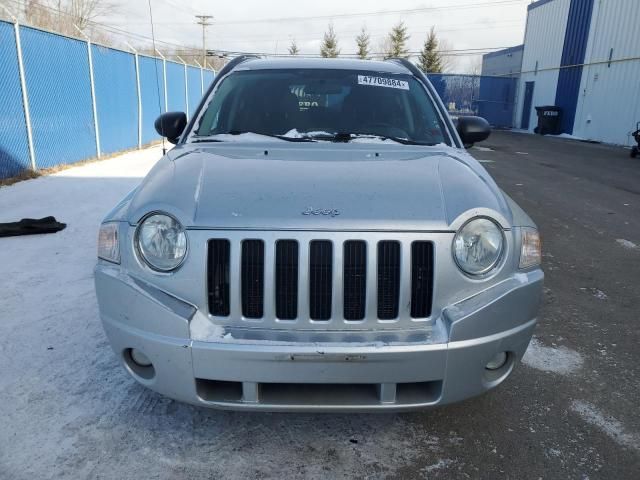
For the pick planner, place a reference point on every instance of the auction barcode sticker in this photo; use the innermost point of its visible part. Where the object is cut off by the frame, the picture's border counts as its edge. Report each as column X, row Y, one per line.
column 383, row 82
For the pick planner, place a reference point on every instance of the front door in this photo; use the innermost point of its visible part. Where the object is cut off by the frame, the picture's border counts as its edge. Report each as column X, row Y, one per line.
column 526, row 107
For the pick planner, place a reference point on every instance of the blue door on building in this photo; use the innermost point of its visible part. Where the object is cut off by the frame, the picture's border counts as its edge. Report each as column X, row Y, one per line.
column 526, row 106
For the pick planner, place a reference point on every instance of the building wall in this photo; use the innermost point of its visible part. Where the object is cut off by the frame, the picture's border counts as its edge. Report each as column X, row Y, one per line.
column 507, row 62
column 543, row 44
column 608, row 97
column 609, row 104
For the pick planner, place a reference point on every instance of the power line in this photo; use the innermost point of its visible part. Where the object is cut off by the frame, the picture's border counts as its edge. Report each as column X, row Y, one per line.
column 375, row 13
column 379, row 33
column 112, row 29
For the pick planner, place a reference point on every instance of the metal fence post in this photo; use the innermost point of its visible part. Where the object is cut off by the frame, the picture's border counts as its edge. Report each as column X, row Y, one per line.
column 93, row 91
column 137, row 62
column 164, row 78
column 25, row 96
column 201, row 78
column 186, row 87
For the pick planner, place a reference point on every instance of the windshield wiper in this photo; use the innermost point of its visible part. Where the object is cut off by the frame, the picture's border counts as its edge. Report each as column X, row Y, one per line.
column 205, row 138
column 344, row 137
column 406, row 141
column 212, row 138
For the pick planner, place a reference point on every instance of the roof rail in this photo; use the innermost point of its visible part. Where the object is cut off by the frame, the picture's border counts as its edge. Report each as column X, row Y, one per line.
column 405, row 63
column 233, row 63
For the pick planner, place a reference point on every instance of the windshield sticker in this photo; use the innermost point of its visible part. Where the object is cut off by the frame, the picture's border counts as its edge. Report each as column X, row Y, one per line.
column 382, row 82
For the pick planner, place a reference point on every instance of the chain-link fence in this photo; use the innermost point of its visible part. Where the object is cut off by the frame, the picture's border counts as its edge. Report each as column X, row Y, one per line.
column 14, row 144
column 176, row 87
column 115, row 84
column 194, row 88
column 493, row 98
column 64, row 100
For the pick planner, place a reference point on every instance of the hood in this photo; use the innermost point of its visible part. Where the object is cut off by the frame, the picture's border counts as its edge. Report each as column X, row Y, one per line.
column 317, row 187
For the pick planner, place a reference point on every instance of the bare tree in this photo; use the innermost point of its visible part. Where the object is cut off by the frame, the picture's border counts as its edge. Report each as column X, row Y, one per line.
column 475, row 66
column 447, row 61
column 84, row 12
column 65, row 15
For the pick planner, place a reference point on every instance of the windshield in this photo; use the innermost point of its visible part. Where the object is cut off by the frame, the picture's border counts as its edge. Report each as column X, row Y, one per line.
column 320, row 104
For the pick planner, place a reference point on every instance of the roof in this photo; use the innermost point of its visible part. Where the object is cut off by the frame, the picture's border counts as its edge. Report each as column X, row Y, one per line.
column 537, row 4
column 504, row 51
column 273, row 63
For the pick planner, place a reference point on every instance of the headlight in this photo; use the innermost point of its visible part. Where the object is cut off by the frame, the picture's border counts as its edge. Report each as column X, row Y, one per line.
column 161, row 242
column 531, row 251
column 108, row 245
column 478, row 246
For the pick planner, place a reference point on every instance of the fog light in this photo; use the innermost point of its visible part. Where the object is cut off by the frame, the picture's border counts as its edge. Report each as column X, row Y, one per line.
column 140, row 358
column 497, row 362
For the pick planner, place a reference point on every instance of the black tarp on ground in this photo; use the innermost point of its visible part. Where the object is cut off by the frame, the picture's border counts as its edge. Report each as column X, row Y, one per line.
column 31, row 226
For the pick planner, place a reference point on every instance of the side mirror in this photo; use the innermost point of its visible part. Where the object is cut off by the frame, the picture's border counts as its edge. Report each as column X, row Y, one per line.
column 473, row 130
column 171, row 125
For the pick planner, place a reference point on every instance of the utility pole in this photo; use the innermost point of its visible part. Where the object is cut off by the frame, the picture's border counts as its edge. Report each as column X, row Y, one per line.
column 204, row 21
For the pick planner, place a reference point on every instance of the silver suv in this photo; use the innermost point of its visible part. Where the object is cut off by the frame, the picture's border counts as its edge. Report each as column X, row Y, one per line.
column 319, row 239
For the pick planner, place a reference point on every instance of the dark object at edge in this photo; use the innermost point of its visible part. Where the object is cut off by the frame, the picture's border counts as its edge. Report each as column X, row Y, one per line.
column 549, row 120
column 636, row 136
column 31, row 226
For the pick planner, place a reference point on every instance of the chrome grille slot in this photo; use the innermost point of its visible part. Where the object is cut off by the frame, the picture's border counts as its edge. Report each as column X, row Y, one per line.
column 286, row 279
column 218, row 277
column 252, row 278
column 388, row 279
column 320, row 281
column 355, row 279
column 421, row 279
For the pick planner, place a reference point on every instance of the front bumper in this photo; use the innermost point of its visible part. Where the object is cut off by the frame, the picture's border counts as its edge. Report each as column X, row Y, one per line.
column 446, row 366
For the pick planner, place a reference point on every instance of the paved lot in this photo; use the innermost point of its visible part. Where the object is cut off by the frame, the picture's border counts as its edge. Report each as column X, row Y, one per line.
column 68, row 411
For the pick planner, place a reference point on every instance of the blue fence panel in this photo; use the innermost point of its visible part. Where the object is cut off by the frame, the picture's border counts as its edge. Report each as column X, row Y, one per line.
column 57, row 77
column 497, row 100
column 177, row 101
column 114, row 74
column 194, row 83
column 490, row 97
column 208, row 78
column 459, row 93
column 152, row 96
column 14, row 148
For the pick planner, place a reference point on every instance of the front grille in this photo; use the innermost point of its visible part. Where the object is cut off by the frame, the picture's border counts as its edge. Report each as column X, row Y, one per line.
column 218, row 275
column 300, row 279
column 320, row 279
column 252, row 278
column 388, row 279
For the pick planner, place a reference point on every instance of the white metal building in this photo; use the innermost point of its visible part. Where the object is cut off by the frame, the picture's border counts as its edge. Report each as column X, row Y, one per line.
column 505, row 62
column 583, row 56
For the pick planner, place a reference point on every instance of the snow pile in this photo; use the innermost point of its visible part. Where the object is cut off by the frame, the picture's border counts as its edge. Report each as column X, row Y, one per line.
column 559, row 360
column 609, row 425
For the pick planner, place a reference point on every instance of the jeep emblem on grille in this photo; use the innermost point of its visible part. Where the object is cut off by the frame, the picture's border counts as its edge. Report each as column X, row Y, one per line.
column 331, row 212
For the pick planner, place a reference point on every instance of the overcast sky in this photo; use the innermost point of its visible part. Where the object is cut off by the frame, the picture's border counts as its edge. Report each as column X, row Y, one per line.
column 269, row 26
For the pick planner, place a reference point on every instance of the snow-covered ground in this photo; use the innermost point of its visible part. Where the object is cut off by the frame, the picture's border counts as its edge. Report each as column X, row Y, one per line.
column 69, row 411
